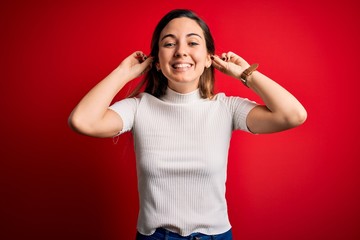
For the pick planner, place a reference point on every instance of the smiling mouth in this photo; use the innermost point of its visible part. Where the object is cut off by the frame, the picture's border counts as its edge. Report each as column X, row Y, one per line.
column 182, row 66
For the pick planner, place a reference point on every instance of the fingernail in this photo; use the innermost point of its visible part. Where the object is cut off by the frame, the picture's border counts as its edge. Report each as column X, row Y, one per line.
column 212, row 57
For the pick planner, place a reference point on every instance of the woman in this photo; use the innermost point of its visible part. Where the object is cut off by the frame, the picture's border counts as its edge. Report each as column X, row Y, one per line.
column 181, row 128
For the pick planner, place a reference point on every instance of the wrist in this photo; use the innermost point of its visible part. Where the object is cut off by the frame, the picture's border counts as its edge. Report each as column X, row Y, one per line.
column 253, row 78
column 247, row 73
column 122, row 74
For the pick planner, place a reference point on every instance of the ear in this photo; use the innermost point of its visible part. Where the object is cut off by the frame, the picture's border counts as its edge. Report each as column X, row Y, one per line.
column 157, row 65
column 208, row 61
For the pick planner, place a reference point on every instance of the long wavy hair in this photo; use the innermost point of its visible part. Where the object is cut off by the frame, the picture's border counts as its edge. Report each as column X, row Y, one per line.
column 156, row 82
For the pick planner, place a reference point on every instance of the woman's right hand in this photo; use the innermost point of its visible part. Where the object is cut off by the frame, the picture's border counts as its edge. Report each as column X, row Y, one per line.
column 135, row 65
column 91, row 116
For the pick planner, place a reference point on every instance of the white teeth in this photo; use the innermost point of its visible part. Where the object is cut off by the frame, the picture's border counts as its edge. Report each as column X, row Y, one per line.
column 182, row 65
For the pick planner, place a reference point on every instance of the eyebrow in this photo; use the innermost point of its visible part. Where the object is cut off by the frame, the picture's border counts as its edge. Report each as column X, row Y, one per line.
column 173, row 36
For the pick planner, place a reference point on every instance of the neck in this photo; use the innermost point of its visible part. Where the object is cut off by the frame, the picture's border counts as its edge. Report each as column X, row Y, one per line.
column 183, row 88
column 174, row 97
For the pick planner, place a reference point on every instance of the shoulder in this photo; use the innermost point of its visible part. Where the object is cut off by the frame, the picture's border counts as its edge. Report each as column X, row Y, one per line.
column 234, row 102
column 146, row 98
column 138, row 99
column 222, row 97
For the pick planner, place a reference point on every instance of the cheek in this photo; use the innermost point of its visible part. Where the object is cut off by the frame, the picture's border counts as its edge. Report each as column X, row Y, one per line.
column 200, row 59
column 160, row 56
column 163, row 56
column 202, row 55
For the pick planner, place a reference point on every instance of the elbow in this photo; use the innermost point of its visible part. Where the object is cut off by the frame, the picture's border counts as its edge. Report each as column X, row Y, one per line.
column 77, row 124
column 296, row 118
column 80, row 124
column 73, row 123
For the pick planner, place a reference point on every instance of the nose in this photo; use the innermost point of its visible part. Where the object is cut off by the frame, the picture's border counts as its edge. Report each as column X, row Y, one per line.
column 181, row 50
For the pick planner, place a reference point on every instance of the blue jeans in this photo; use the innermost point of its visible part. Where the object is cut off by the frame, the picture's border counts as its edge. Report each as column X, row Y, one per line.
column 163, row 234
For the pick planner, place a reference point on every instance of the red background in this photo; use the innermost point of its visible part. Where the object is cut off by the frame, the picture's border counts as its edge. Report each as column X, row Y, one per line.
column 56, row 184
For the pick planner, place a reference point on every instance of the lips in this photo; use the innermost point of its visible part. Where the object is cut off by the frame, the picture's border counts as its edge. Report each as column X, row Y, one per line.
column 180, row 66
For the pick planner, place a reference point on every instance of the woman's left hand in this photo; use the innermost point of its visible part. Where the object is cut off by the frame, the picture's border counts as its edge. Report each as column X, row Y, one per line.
column 281, row 110
column 230, row 64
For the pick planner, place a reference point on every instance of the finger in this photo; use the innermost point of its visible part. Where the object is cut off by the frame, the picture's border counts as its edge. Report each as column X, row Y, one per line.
column 147, row 64
column 227, row 56
column 148, row 60
column 239, row 60
column 231, row 56
column 219, row 63
column 140, row 56
column 218, row 66
column 217, row 59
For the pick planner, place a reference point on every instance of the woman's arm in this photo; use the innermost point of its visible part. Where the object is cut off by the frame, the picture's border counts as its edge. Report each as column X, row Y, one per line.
column 281, row 111
column 91, row 116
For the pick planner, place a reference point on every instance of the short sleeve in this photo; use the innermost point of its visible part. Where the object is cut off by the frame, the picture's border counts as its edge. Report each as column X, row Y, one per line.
column 126, row 109
column 239, row 109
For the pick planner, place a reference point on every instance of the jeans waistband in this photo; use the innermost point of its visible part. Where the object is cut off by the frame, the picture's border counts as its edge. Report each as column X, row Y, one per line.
column 165, row 234
column 194, row 236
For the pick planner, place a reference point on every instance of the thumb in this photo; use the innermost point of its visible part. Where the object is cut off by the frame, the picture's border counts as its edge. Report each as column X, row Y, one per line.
column 146, row 65
column 219, row 64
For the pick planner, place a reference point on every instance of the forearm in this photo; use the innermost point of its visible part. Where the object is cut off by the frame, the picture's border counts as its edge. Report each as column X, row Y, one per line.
column 95, row 103
column 281, row 111
column 281, row 103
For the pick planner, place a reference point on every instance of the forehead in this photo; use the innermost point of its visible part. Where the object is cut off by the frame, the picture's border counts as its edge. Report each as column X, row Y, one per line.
column 181, row 26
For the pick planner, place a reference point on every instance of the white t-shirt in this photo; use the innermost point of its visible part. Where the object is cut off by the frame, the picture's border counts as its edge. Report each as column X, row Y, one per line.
column 181, row 145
